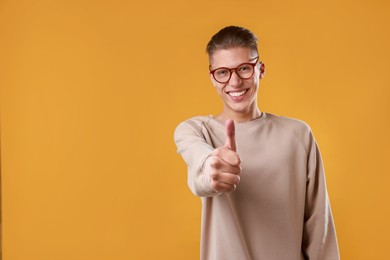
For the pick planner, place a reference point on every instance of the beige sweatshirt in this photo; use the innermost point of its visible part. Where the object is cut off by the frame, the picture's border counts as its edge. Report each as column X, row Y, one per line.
column 280, row 209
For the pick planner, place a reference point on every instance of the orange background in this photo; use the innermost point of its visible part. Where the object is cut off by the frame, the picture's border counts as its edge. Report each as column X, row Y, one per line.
column 91, row 92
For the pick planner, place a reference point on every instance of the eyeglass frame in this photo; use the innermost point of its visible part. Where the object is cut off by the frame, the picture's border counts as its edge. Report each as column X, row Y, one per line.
column 235, row 69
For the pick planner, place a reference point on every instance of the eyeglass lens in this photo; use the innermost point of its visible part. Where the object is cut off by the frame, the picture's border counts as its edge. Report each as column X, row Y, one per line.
column 244, row 71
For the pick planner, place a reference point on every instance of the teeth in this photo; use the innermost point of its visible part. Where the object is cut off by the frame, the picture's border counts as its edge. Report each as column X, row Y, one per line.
column 237, row 94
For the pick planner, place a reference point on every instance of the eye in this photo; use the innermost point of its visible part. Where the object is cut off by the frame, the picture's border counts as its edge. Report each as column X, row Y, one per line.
column 221, row 72
column 244, row 67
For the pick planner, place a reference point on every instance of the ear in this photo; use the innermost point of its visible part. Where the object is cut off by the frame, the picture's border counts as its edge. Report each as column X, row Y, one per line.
column 262, row 70
column 215, row 83
column 212, row 79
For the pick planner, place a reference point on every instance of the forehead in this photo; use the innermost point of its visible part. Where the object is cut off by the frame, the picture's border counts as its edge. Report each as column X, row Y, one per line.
column 231, row 57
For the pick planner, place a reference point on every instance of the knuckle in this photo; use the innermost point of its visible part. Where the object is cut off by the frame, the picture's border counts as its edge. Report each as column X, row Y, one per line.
column 214, row 175
column 237, row 160
column 214, row 162
column 217, row 152
column 215, row 186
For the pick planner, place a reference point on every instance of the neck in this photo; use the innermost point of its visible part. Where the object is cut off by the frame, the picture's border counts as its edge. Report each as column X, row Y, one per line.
column 239, row 117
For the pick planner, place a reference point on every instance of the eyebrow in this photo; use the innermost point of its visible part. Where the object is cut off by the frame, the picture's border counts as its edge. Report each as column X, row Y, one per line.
column 250, row 59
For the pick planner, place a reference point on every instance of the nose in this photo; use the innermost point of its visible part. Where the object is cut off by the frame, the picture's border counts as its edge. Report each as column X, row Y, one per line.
column 235, row 80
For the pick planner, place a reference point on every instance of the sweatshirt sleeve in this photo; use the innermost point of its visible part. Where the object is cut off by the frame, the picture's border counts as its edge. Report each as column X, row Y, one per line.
column 193, row 147
column 319, row 235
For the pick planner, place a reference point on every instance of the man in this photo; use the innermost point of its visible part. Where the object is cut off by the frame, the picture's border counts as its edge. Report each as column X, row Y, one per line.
column 260, row 176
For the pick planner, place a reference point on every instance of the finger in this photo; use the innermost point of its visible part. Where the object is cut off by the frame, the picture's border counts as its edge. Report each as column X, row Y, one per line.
column 220, row 165
column 230, row 135
column 224, row 177
column 222, row 187
column 228, row 156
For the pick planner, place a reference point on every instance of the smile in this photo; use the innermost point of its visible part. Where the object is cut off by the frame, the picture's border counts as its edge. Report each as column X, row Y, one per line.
column 236, row 93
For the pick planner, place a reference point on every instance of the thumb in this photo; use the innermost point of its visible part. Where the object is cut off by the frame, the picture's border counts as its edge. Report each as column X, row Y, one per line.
column 230, row 135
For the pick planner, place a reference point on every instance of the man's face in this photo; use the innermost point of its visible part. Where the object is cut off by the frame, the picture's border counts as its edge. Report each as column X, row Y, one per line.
column 238, row 95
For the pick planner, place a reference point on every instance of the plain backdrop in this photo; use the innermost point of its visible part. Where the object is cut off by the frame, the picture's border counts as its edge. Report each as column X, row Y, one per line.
column 91, row 92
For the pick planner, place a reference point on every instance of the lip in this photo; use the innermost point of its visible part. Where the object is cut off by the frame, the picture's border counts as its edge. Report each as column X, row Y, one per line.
column 237, row 98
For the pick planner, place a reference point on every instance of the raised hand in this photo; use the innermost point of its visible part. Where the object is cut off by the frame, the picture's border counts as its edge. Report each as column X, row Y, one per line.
column 224, row 166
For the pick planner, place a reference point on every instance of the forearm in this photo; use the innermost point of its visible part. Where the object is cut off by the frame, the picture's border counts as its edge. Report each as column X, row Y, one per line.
column 199, row 179
column 196, row 152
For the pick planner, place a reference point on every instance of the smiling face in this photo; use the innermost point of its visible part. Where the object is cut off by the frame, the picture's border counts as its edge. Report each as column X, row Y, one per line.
column 239, row 96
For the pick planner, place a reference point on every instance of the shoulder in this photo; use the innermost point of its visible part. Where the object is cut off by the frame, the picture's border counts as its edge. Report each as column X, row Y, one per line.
column 193, row 125
column 196, row 121
column 289, row 123
column 295, row 128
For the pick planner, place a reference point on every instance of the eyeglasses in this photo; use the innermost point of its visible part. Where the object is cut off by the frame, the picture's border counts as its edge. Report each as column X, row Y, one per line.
column 243, row 71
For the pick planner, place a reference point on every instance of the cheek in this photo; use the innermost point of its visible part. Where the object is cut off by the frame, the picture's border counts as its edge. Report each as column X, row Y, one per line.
column 219, row 87
column 254, row 83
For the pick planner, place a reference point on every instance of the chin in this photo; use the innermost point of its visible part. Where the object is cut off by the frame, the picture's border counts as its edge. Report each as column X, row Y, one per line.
column 240, row 109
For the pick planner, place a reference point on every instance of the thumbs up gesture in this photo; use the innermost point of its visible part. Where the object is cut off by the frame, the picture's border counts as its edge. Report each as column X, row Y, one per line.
column 224, row 166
